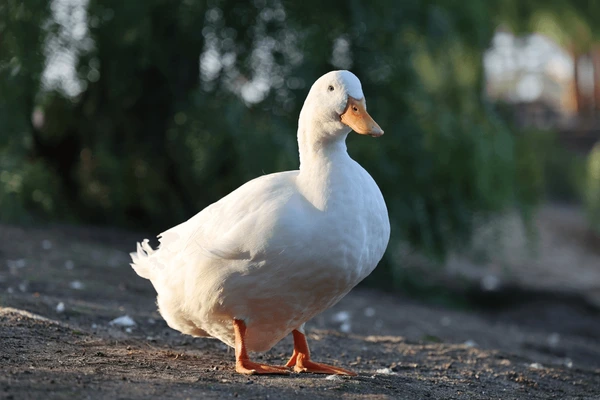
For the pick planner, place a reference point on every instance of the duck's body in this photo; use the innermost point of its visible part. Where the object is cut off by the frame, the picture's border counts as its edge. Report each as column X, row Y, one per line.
column 278, row 250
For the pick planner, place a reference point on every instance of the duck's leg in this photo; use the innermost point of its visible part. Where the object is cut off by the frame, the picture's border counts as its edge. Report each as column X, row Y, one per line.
column 300, row 359
column 243, row 365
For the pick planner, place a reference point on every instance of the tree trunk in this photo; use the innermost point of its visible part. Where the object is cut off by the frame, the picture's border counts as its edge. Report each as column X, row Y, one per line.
column 577, row 100
column 596, row 63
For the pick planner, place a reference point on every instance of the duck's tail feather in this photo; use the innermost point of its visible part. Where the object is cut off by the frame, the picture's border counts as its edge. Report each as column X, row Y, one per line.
column 142, row 264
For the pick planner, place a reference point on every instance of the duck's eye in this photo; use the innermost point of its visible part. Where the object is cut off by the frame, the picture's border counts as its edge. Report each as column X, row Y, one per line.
column 330, row 88
column 355, row 108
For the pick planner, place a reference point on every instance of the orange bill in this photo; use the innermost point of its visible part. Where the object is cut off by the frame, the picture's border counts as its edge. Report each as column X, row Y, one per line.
column 356, row 117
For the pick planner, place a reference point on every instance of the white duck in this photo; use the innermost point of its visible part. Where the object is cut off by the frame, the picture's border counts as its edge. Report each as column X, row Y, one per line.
column 259, row 263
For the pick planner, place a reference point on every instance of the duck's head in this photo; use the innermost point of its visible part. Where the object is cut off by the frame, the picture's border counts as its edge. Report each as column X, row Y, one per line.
column 336, row 102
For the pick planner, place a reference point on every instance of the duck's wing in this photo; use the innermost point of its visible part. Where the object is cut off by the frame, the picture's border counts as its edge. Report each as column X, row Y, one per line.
column 263, row 216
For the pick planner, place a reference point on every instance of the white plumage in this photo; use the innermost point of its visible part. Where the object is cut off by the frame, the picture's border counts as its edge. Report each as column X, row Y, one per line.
column 281, row 248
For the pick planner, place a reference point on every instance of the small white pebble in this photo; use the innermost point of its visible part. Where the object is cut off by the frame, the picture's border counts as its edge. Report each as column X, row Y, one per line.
column 10, row 290
column 470, row 343
column 124, row 320
column 128, row 330
column 46, row 244
column 568, row 363
column 23, row 287
column 346, row 327
column 60, row 307
column 151, row 321
column 536, row 366
column 341, row 316
column 333, row 378
column 553, row 339
column 69, row 264
column 385, row 371
column 369, row 312
column 490, row 283
column 94, row 326
column 77, row 285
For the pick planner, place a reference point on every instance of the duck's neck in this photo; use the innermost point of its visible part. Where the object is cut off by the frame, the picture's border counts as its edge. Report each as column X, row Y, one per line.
column 323, row 162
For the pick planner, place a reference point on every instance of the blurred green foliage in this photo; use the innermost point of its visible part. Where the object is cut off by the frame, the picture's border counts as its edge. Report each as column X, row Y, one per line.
column 558, row 172
column 177, row 103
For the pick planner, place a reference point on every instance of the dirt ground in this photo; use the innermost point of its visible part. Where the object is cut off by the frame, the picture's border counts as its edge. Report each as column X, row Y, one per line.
column 563, row 256
column 61, row 287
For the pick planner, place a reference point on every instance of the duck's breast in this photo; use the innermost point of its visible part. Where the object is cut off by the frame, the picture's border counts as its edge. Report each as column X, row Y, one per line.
column 357, row 221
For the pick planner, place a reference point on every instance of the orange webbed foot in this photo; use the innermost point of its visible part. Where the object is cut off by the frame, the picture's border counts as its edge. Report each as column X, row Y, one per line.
column 243, row 365
column 252, row 368
column 319, row 368
column 301, row 362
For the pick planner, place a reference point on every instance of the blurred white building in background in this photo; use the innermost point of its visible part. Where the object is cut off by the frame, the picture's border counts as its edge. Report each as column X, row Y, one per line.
column 538, row 77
